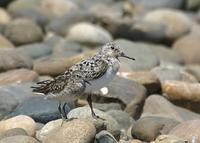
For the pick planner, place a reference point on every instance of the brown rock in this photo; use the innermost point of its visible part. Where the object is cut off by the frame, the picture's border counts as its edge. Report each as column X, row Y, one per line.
column 75, row 131
column 21, row 121
column 9, row 59
column 5, row 43
column 178, row 90
column 188, row 48
column 188, row 130
column 18, row 76
column 19, row 139
column 158, row 105
column 58, row 65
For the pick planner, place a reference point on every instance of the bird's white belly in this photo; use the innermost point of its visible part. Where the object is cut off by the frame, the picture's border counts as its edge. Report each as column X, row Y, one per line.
column 102, row 81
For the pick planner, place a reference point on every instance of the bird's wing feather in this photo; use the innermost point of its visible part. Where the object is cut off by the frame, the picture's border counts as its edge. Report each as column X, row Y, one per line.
column 92, row 68
column 51, row 86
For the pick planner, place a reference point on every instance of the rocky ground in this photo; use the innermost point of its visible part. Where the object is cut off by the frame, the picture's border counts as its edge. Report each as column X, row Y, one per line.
column 154, row 99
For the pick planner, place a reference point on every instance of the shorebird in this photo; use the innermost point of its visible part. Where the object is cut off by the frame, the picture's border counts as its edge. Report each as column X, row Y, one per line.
column 64, row 88
column 97, row 70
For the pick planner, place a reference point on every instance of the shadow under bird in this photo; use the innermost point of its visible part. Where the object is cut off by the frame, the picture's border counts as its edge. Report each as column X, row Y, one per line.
column 96, row 72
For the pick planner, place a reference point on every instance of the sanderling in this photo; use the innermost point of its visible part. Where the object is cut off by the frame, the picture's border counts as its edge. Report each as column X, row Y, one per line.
column 98, row 70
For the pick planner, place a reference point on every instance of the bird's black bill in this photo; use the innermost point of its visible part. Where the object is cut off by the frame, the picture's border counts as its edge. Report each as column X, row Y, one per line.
column 125, row 56
column 87, row 82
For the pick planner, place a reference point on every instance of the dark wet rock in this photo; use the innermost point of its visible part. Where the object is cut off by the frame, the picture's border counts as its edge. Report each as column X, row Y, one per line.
column 131, row 97
column 148, row 128
column 104, row 137
column 76, row 131
column 9, row 59
column 145, row 58
column 40, row 109
column 35, row 50
column 23, row 31
column 17, row 76
column 160, row 3
column 192, row 4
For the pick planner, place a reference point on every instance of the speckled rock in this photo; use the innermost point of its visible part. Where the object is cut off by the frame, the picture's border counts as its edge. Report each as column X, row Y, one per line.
column 17, row 76
column 9, row 59
column 21, row 121
column 76, row 131
column 88, row 33
column 23, row 31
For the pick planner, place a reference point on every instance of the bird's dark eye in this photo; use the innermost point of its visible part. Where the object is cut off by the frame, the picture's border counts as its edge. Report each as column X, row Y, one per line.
column 112, row 48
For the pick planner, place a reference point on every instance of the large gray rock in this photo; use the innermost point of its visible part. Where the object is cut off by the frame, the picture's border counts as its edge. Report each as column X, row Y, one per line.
column 11, row 96
column 145, row 57
column 40, row 109
column 9, row 59
column 35, row 50
column 23, row 31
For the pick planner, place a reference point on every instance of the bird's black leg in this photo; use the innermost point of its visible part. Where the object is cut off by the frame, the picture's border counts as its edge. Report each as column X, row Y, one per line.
column 64, row 111
column 59, row 109
column 89, row 100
